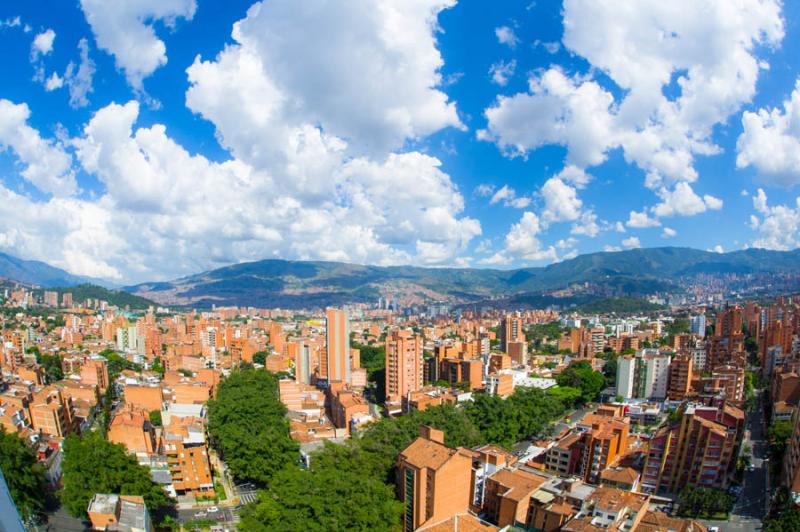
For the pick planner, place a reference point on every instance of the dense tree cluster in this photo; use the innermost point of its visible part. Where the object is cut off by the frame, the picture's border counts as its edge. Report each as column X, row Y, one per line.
column 581, row 375
column 260, row 357
column 94, row 465
column 23, row 474
column 697, row 501
column 247, row 423
column 362, row 470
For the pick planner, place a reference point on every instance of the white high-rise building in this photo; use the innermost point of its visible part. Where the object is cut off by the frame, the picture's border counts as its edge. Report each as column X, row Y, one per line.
column 697, row 325
column 625, row 376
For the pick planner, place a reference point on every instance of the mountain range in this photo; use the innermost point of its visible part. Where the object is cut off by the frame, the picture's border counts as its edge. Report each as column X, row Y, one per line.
column 309, row 284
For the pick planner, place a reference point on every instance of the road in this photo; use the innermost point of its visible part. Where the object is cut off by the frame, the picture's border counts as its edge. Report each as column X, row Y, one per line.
column 751, row 506
column 193, row 514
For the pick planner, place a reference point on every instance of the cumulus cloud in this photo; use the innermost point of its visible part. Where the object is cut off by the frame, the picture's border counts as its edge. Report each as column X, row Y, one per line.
column 586, row 225
column 508, row 196
column 561, row 202
column 78, row 77
column 506, row 35
column 668, row 232
column 770, row 141
column 484, row 190
column 43, row 43
column 682, row 67
column 684, row 201
column 641, row 220
column 45, row 163
column 557, row 110
column 522, row 243
column 502, row 71
column 367, row 71
column 778, row 226
column 53, row 82
column 125, row 30
column 631, row 242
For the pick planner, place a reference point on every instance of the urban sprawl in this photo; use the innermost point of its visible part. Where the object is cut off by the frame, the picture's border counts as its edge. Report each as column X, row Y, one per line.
column 383, row 417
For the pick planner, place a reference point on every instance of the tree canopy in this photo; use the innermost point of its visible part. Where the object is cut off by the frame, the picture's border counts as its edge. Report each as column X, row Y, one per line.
column 94, row 465
column 23, row 474
column 581, row 375
column 248, row 426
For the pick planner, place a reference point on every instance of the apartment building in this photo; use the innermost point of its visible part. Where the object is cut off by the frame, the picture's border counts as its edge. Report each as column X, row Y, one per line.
column 433, row 480
column 403, row 364
column 698, row 450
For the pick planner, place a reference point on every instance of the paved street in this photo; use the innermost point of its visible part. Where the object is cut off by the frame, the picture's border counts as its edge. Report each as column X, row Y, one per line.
column 227, row 515
column 750, row 507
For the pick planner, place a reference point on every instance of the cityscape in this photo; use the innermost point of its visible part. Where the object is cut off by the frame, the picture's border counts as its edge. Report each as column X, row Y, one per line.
column 400, row 265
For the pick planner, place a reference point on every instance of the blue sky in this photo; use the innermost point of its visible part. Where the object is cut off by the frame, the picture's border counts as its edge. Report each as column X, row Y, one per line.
column 150, row 139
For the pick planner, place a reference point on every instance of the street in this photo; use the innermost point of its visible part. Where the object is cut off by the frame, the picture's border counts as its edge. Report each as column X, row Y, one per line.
column 228, row 518
column 751, row 505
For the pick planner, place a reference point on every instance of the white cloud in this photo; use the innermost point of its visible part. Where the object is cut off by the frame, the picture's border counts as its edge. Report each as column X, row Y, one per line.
column 561, row 202
column 611, row 249
column 778, row 227
column 125, row 30
column 682, row 67
column 744, row 193
column 683, row 201
column 552, row 47
column 631, row 242
column 509, row 198
column 587, row 225
column 668, row 232
column 365, row 70
column 770, row 141
column 522, row 243
column 43, row 43
column 53, row 82
column 484, row 190
column 505, row 35
column 641, row 220
column 556, row 110
column 706, row 49
column 46, row 165
column 502, row 71
column 717, row 249
column 619, row 227
column 79, row 77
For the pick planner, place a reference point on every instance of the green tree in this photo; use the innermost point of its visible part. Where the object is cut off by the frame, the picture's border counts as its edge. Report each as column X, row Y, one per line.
column 779, row 434
column 23, row 474
column 155, row 418
column 94, row 465
column 247, row 424
column 260, row 357
column 581, row 375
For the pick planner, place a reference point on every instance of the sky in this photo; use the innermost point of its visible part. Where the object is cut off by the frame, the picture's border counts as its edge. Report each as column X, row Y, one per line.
column 149, row 139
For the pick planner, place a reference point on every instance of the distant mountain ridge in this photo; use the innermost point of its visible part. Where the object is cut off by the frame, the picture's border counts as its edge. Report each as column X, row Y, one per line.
column 273, row 283
column 308, row 284
column 38, row 273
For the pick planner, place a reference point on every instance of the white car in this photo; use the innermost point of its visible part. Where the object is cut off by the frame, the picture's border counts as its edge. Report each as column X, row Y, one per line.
column 213, row 509
column 200, row 514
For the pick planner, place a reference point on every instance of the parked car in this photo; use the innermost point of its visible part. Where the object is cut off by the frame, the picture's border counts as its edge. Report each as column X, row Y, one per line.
column 213, row 509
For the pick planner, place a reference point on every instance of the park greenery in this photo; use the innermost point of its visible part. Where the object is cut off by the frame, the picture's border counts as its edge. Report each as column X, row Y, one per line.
column 94, row 465
column 260, row 357
column 706, row 503
column 247, row 424
column 50, row 363
column 580, row 375
column 23, row 474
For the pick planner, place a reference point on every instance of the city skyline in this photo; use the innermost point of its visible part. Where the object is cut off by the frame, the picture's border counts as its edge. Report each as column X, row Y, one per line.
column 151, row 142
